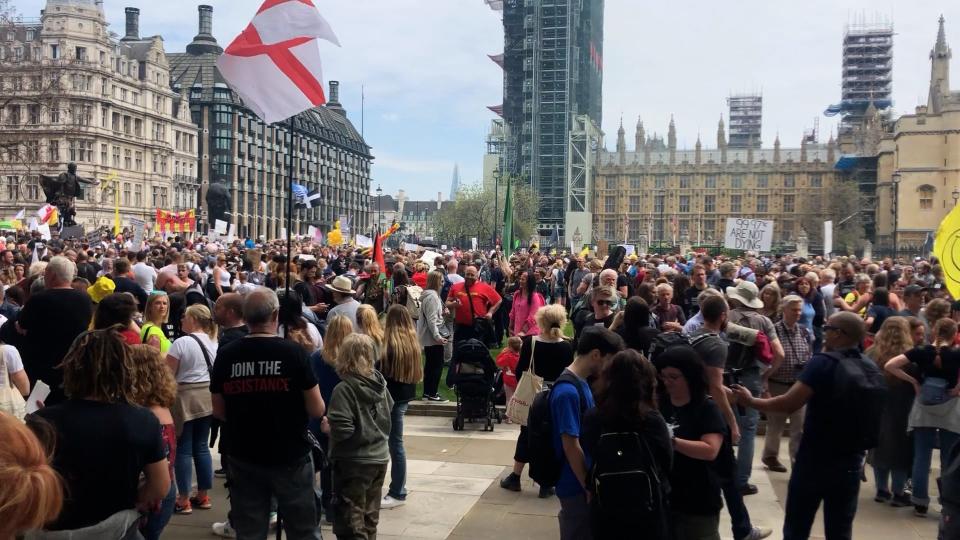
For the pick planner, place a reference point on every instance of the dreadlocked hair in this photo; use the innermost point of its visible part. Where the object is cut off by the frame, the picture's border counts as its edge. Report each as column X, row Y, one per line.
column 99, row 366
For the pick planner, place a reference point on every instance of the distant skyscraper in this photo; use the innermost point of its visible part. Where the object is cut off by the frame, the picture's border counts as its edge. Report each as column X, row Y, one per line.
column 746, row 114
column 455, row 185
column 867, row 72
column 553, row 71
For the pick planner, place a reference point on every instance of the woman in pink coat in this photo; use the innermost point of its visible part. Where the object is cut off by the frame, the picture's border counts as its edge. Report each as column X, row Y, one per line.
column 526, row 302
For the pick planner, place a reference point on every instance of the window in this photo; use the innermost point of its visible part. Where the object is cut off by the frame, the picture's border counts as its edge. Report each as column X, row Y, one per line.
column 104, row 154
column 736, row 181
column 55, row 51
column 81, row 53
column 661, row 181
column 634, row 203
column 658, row 204
column 53, row 149
column 611, row 182
column 13, row 114
column 762, row 180
column 709, row 226
column 634, row 182
column 12, row 186
column 128, row 159
column 30, row 35
column 138, row 195
column 138, row 127
column 116, row 157
column 126, row 193
column 138, row 161
column 711, row 182
column 789, row 181
column 55, row 113
column 685, row 181
column 115, row 122
column 736, row 203
column 816, row 180
column 610, row 204
column 926, row 193
column 609, row 228
column 33, row 114
column 709, row 203
column 684, row 203
column 789, row 203
column 156, row 163
column 762, row 203
column 787, row 229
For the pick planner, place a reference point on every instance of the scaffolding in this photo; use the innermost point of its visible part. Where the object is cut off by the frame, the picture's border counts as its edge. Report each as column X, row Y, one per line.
column 867, row 72
column 746, row 115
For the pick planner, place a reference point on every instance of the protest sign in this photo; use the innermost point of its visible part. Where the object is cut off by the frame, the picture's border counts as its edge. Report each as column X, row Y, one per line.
column 430, row 256
column 410, row 247
column 748, row 234
column 364, row 241
column 138, row 228
column 827, row 238
column 220, row 226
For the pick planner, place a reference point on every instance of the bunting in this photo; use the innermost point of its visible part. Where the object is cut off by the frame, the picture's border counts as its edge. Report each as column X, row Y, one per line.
column 177, row 222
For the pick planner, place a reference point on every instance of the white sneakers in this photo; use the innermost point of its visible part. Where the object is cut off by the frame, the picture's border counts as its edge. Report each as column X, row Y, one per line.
column 224, row 530
column 389, row 502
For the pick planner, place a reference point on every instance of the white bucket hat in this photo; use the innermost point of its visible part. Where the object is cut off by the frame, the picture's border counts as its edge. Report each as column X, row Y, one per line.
column 746, row 293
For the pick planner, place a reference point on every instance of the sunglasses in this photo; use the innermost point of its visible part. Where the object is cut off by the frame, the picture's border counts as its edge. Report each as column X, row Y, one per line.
column 827, row 328
column 608, row 303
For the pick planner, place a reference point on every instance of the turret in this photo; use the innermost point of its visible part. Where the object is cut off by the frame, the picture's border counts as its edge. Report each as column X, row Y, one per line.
column 672, row 141
column 939, row 72
column 640, row 137
column 776, row 149
column 698, row 153
column 621, row 144
column 722, row 141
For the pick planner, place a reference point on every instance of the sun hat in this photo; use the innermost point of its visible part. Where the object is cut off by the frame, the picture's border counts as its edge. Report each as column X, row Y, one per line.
column 342, row 285
column 101, row 288
column 746, row 293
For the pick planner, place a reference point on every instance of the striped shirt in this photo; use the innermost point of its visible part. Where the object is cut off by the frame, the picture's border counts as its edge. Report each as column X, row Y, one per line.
column 796, row 352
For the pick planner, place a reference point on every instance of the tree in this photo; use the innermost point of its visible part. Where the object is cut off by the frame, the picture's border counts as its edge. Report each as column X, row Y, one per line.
column 840, row 203
column 475, row 215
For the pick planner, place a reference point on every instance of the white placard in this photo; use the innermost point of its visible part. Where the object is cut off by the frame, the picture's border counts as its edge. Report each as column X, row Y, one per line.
column 220, row 226
column 364, row 241
column 33, row 224
column 827, row 238
column 138, row 229
column 231, row 234
column 748, row 234
column 39, row 393
column 430, row 256
column 473, row 242
column 44, row 231
column 630, row 249
column 283, row 233
column 443, row 247
column 410, row 247
column 312, row 231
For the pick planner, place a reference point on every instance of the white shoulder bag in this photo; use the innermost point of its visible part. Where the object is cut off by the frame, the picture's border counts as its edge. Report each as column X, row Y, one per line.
column 529, row 386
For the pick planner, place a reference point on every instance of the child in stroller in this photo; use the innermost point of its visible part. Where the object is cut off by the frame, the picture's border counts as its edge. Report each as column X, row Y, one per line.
column 472, row 375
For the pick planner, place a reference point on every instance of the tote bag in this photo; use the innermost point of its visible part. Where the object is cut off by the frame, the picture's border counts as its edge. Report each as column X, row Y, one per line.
column 11, row 402
column 529, row 386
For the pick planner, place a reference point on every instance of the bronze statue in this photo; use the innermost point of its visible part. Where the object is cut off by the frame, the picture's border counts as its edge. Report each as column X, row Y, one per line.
column 63, row 190
column 218, row 203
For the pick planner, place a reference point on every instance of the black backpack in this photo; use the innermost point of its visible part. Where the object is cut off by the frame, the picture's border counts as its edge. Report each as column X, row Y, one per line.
column 859, row 392
column 544, row 463
column 949, row 481
column 628, row 488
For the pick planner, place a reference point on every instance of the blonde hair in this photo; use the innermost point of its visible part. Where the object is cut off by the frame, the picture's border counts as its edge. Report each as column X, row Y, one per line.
column 153, row 382
column 355, row 356
column 337, row 330
column 369, row 324
column 151, row 300
column 31, row 492
column 401, row 359
column 550, row 320
column 201, row 315
column 435, row 280
column 893, row 339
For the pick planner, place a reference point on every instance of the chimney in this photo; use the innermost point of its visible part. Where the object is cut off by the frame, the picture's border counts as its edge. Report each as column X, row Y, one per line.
column 333, row 100
column 133, row 24
column 206, row 20
column 204, row 42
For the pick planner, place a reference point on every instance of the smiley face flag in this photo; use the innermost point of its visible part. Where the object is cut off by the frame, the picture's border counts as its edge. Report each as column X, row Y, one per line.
column 946, row 246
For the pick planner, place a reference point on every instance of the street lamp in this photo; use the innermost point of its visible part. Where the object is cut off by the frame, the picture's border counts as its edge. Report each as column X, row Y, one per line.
column 379, row 208
column 896, row 178
column 956, row 195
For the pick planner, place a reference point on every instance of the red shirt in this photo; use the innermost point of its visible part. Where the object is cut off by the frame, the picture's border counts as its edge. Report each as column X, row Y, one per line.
column 420, row 278
column 482, row 295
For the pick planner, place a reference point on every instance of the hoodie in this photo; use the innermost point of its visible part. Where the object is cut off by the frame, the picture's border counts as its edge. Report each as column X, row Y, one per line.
column 359, row 417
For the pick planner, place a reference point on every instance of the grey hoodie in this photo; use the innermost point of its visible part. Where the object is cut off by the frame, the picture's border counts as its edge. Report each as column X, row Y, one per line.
column 359, row 416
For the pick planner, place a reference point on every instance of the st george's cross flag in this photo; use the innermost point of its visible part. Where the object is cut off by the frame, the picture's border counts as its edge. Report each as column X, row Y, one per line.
column 274, row 65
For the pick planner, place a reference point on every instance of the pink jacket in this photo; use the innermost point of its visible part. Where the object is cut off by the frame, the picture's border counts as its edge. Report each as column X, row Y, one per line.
column 521, row 315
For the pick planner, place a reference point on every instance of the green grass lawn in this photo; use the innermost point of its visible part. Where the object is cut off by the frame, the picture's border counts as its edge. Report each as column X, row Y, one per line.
column 447, row 393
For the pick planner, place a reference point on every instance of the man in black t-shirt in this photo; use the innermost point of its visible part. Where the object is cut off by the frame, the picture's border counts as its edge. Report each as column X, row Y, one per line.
column 264, row 390
column 228, row 313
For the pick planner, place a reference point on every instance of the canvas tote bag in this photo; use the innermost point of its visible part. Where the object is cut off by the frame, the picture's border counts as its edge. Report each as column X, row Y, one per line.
column 11, row 402
column 529, row 386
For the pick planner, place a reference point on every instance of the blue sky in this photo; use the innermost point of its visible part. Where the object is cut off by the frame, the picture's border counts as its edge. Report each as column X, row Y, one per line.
column 428, row 81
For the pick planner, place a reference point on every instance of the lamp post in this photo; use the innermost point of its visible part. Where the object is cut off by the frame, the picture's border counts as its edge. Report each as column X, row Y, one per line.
column 379, row 208
column 496, row 205
column 956, row 195
column 896, row 178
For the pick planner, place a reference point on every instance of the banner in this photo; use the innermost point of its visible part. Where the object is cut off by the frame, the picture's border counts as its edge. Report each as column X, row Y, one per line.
column 138, row 228
column 176, row 222
column 345, row 224
column 364, row 241
column 827, row 238
column 748, row 234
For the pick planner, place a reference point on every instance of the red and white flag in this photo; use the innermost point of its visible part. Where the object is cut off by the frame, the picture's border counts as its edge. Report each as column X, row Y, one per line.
column 274, row 65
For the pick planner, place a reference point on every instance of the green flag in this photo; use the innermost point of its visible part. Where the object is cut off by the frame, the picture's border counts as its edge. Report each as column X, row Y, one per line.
column 507, row 238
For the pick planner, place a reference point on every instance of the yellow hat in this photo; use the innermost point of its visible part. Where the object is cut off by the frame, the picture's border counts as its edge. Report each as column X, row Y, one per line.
column 101, row 288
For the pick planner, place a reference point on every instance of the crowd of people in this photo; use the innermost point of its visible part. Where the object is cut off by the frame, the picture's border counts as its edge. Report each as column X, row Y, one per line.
column 300, row 372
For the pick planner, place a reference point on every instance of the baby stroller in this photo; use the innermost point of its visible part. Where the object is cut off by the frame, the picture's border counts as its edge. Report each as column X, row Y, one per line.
column 472, row 375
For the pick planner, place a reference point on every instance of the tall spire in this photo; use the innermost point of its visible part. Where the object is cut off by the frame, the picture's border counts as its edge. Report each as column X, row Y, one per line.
column 776, row 149
column 621, row 143
column 455, row 184
column 721, row 135
column 672, row 141
column 939, row 72
column 640, row 138
column 698, row 154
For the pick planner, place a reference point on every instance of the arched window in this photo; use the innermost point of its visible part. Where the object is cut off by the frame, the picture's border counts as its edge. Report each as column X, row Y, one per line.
column 926, row 193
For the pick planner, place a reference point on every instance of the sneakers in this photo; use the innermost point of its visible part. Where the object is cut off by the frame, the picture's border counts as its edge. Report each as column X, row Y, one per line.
column 224, row 530
column 774, row 464
column 510, row 482
column 546, row 492
column 389, row 502
column 920, row 510
column 883, row 496
column 435, row 399
column 748, row 489
column 184, row 509
column 901, row 501
column 202, row 503
column 758, row 533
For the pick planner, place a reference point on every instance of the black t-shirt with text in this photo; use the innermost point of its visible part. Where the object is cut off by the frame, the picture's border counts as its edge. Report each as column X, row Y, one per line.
column 101, row 448
column 262, row 380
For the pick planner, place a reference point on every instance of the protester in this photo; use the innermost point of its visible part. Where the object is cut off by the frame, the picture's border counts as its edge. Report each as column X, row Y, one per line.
column 31, row 491
column 602, row 300
column 228, row 314
column 401, row 368
column 796, row 340
column 472, row 301
column 294, row 326
column 368, row 323
column 526, row 302
column 507, row 361
column 264, row 390
column 343, row 296
column 118, row 308
column 633, row 325
column 430, row 332
column 156, row 330
column 358, row 423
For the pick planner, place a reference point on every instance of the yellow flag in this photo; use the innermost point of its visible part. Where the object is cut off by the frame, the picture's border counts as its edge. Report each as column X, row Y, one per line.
column 585, row 251
column 947, row 250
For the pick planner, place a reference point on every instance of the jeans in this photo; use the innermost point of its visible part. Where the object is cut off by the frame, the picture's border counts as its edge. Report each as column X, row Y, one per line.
column 356, row 499
column 834, row 482
column 432, row 369
column 398, row 456
column 923, row 441
column 192, row 450
column 775, row 423
column 749, row 379
column 739, row 515
column 251, row 488
column 156, row 521
column 574, row 518
column 883, row 477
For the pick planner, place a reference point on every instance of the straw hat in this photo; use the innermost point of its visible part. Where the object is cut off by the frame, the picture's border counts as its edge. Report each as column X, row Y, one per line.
column 342, row 285
column 746, row 293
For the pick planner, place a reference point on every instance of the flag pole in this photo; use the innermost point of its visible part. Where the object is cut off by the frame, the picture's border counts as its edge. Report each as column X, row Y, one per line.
column 290, row 206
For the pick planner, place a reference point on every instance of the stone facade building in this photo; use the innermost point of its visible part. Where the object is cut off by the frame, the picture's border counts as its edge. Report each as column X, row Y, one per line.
column 659, row 193
column 74, row 93
column 918, row 171
column 251, row 158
